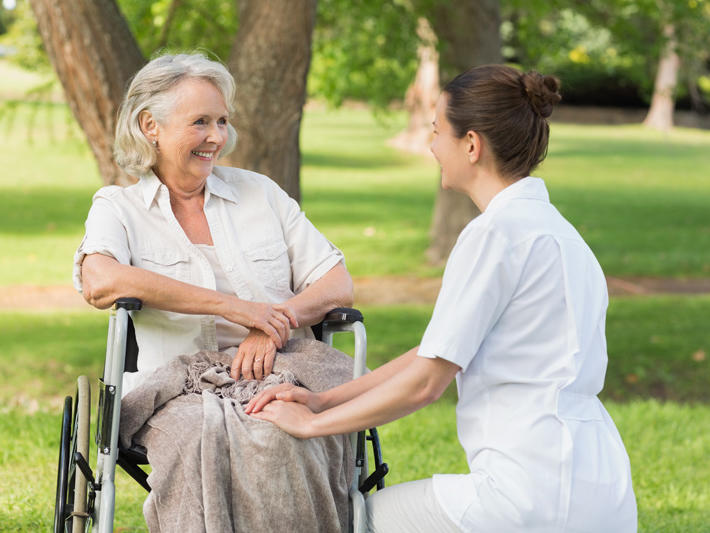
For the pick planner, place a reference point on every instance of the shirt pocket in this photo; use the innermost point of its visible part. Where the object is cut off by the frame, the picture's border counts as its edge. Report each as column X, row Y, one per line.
column 270, row 264
column 165, row 261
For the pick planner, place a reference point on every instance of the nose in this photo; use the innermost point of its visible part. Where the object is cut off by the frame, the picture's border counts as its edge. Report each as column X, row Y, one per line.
column 215, row 134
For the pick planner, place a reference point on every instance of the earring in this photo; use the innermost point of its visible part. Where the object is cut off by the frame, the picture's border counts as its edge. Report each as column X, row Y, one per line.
column 155, row 143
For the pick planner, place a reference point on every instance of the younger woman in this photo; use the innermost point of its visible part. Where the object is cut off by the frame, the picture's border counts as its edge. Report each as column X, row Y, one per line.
column 519, row 323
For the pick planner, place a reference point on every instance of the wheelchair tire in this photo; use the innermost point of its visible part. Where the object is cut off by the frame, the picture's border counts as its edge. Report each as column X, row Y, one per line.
column 63, row 466
column 80, row 438
column 70, row 511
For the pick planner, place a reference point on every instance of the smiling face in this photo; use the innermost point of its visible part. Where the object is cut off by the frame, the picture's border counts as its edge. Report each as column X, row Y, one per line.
column 195, row 131
column 451, row 152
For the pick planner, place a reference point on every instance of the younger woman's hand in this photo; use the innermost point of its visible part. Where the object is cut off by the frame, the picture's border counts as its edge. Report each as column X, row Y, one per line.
column 284, row 392
column 293, row 418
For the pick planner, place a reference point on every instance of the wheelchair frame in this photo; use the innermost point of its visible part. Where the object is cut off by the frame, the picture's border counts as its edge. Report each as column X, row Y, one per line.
column 84, row 496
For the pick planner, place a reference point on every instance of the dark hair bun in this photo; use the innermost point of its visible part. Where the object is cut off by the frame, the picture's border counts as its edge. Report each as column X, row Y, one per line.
column 543, row 92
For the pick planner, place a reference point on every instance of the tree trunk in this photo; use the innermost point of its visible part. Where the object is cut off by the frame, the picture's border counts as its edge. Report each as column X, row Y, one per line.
column 660, row 114
column 270, row 62
column 94, row 55
column 420, row 100
column 469, row 33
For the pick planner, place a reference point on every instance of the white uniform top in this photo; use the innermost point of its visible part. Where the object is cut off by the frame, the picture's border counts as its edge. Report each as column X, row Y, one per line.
column 265, row 245
column 522, row 310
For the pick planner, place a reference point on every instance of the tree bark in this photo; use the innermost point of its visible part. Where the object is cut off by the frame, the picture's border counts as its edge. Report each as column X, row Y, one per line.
column 420, row 100
column 660, row 114
column 94, row 55
column 469, row 33
column 270, row 61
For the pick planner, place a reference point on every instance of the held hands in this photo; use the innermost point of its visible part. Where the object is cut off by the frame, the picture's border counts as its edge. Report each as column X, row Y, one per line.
column 285, row 392
column 294, row 418
column 289, row 407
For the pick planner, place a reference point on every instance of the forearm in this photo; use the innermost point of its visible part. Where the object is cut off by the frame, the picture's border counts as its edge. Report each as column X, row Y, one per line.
column 349, row 390
column 418, row 384
column 334, row 289
column 105, row 280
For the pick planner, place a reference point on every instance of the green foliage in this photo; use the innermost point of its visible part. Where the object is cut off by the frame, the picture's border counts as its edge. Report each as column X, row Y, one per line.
column 606, row 52
column 182, row 25
column 23, row 35
column 6, row 19
column 364, row 50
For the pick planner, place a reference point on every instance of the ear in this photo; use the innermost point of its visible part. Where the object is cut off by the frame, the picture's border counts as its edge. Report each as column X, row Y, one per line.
column 474, row 146
column 148, row 125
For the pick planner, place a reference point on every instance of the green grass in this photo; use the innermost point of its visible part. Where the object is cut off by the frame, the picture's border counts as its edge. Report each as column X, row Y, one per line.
column 667, row 442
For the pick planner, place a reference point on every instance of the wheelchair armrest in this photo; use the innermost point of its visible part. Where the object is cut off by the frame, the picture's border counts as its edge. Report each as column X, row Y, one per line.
column 343, row 315
column 129, row 304
column 339, row 315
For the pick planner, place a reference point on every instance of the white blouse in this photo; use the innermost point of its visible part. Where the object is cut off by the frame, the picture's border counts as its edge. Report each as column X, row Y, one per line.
column 267, row 248
column 522, row 311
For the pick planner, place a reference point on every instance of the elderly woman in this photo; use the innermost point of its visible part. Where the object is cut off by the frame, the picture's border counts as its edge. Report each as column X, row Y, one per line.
column 221, row 257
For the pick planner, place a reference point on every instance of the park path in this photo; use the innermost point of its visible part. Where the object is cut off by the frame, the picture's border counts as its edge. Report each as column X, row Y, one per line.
column 385, row 290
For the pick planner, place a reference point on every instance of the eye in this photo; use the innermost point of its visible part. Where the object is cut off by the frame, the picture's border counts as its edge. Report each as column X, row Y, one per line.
column 200, row 121
column 222, row 121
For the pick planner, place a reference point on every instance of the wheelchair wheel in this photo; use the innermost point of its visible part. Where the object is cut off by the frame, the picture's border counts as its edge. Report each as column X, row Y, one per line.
column 63, row 467
column 70, row 513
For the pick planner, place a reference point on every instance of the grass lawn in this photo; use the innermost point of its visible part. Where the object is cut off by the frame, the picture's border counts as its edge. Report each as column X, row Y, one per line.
column 667, row 442
column 638, row 198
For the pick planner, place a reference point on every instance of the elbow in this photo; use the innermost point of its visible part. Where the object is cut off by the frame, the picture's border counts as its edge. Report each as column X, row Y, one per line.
column 96, row 290
column 430, row 390
column 429, row 395
column 95, row 296
column 347, row 298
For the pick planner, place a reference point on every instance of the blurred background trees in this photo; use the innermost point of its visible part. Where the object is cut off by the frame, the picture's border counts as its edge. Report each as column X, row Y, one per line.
column 651, row 54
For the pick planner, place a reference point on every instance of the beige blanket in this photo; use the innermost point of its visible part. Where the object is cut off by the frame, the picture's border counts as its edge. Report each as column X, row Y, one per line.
column 215, row 469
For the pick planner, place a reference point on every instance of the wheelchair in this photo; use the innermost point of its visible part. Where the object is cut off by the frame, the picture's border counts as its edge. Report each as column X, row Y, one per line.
column 85, row 497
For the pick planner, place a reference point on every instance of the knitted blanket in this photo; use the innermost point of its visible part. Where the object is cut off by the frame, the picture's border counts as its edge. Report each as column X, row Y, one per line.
column 216, row 469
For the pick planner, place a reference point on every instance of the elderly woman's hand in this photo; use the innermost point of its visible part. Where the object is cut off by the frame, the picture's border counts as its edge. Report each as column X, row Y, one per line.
column 275, row 320
column 255, row 356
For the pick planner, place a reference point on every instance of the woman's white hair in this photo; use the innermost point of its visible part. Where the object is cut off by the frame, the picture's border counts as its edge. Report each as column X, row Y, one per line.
column 150, row 90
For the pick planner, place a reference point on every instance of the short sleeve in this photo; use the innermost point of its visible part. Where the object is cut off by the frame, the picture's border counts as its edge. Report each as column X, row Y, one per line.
column 105, row 234
column 310, row 253
column 479, row 281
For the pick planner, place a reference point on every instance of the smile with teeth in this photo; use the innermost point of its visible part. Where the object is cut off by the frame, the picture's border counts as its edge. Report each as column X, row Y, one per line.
column 206, row 155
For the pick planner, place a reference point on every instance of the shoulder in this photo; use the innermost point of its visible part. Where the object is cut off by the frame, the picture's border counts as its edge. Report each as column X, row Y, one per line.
column 108, row 193
column 240, row 178
column 253, row 185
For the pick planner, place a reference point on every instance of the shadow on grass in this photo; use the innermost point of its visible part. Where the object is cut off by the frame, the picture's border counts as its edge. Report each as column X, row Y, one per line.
column 644, row 150
column 353, row 161
column 384, row 205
